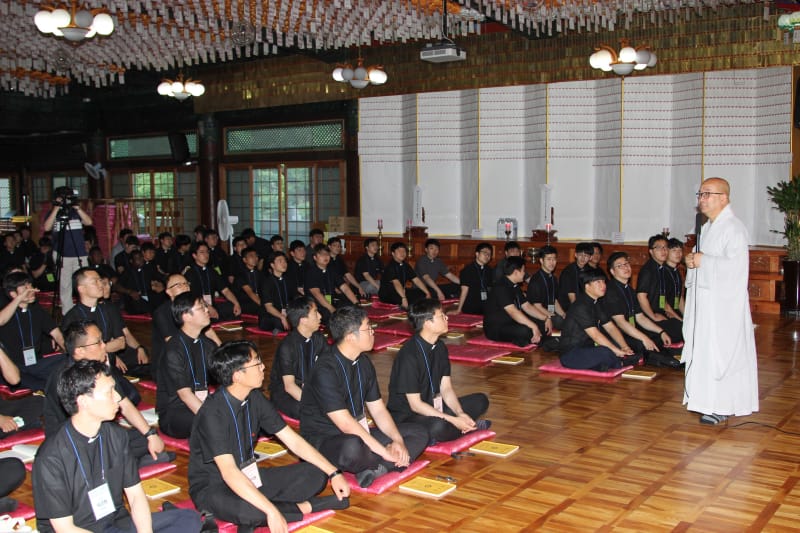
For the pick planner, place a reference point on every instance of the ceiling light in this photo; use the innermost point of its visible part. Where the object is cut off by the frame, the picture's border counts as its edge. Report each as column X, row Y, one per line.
column 623, row 62
column 74, row 23
column 181, row 89
column 361, row 76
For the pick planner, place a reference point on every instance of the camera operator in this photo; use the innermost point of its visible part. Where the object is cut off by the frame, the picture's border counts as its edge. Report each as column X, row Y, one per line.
column 66, row 220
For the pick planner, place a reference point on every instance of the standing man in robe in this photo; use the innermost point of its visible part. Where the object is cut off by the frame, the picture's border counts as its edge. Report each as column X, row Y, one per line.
column 720, row 348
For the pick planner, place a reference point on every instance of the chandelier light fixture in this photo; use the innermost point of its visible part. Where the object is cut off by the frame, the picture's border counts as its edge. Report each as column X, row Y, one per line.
column 623, row 62
column 360, row 76
column 181, row 89
column 74, row 23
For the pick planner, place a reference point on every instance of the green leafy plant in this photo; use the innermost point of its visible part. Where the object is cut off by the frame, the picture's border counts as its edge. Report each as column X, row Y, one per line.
column 786, row 197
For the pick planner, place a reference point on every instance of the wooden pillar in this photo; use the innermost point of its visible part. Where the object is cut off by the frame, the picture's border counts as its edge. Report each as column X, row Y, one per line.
column 209, row 148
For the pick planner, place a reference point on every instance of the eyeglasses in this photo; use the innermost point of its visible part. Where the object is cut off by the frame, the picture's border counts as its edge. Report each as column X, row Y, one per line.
column 90, row 344
column 260, row 363
column 372, row 331
column 705, row 194
column 180, row 284
column 622, row 265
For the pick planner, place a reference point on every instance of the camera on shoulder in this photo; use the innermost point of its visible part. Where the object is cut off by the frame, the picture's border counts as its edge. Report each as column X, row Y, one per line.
column 65, row 197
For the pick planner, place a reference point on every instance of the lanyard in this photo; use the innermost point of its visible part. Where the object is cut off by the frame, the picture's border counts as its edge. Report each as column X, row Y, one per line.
column 625, row 293
column 660, row 279
column 236, row 424
column 547, row 288
column 427, row 365
column 80, row 463
column 326, row 281
column 676, row 280
column 200, row 274
column 19, row 326
column 285, row 291
column 349, row 392
column 399, row 267
column 310, row 342
column 481, row 271
column 251, row 278
column 191, row 366
column 102, row 317
column 139, row 275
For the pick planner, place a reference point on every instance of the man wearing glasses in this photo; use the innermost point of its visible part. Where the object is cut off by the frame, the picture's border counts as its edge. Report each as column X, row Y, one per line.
column 183, row 371
column 651, row 288
column 476, row 281
column 720, row 349
column 335, row 401
column 85, row 343
column 223, row 474
column 569, row 286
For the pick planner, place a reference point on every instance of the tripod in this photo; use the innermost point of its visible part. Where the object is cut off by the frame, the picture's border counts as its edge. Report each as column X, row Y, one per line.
column 62, row 223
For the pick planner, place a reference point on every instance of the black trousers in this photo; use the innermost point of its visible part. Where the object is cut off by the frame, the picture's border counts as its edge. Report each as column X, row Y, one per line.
column 172, row 521
column 13, row 475
column 29, row 408
column 513, row 332
column 351, row 454
column 673, row 327
column 267, row 322
column 286, row 405
column 34, row 377
column 591, row 358
column 176, row 422
column 441, row 430
column 284, row 486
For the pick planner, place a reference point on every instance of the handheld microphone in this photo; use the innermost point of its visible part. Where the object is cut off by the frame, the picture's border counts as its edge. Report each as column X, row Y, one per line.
column 698, row 223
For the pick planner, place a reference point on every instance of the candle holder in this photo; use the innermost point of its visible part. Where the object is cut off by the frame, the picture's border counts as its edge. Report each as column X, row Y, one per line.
column 410, row 243
column 380, row 237
column 508, row 233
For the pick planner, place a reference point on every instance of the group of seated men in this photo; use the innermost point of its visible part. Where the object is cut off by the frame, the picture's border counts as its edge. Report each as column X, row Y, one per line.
column 329, row 388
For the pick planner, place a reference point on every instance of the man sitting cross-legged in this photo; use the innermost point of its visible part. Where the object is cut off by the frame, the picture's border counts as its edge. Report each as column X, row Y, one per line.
column 333, row 408
column 81, row 472
column 223, row 475
column 420, row 389
column 584, row 343
column 296, row 356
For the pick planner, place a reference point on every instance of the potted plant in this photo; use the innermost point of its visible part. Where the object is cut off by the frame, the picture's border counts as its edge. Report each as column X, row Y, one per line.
column 786, row 197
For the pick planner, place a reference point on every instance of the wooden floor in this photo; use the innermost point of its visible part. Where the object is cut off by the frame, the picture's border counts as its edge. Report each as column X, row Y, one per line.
column 599, row 456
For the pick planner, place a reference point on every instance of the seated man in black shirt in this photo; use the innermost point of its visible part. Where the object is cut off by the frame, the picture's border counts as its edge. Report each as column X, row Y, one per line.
column 19, row 413
column 123, row 259
column 140, row 285
column 223, row 474
column 643, row 335
column 249, row 282
column 369, row 267
column 675, row 295
column 236, row 262
column 651, row 289
column 508, row 316
column 328, row 289
column 277, row 291
column 568, row 283
column 583, row 345
column 205, row 282
column 30, row 333
column 430, row 267
column 334, row 405
column 337, row 265
column 81, row 472
column 166, row 255
column 510, row 249
column 42, row 266
column 182, row 371
column 395, row 278
column 543, row 291
column 85, row 343
column 296, row 355
column 597, row 255
column 476, row 281
column 297, row 265
column 420, row 389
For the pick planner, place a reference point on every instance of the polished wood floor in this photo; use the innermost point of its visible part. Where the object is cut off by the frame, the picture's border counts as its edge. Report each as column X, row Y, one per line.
column 600, row 456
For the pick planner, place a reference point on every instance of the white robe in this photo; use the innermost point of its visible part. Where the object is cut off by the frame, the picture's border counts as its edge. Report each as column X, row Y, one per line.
column 720, row 348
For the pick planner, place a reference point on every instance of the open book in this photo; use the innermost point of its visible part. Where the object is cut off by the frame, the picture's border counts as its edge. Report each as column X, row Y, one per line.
column 23, row 452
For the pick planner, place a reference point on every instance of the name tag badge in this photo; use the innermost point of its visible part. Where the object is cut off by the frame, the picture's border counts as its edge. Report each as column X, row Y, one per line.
column 283, row 311
column 484, row 296
column 101, row 501
column 50, row 277
column 30, row 356
column 662, row 301
column 207, row 299
column 632, row 320
column 329, row 298
column 201, row 394
column 364, row 423
column 218, row 270
column 251, row 471
column 75, row 224
column 438, row 403
column 551, row 308
column 677, row 303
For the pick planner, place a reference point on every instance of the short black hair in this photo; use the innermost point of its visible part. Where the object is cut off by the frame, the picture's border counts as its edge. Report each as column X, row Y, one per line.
column 512, row 264
column 297, row 309
column 588, row 275
column 247, row 233
column 75, row 334
column 482, row 246
column 321, row 247
column 164, row 235
column 77, row 379
column 14, row 280
column 511, row 245
column 674, row 243
column 209, row 232
column 596, row 245
column 613, row 257
column 274, row 255
column 368, row 241
column 422, row 311
column 229, row 358
column 332, row 240
column 131, row 240
column 237, row 240
column 346, row 320
column 316, row 231
column 546, row 250
column 147, row 246
column 295, row 244
column 200, row 244
column 651, row 242
column 397, row 245
column 275, row 238
column 249, row 250
column 182, row 240
column 428, row 242
column 181, row 305
column 124, row 232
column 584, row 248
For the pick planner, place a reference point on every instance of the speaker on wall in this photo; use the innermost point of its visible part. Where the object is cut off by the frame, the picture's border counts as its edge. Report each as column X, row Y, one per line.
column 178, row 147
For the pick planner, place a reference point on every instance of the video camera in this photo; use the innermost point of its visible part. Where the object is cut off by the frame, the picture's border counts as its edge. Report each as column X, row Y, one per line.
column 65, row 197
